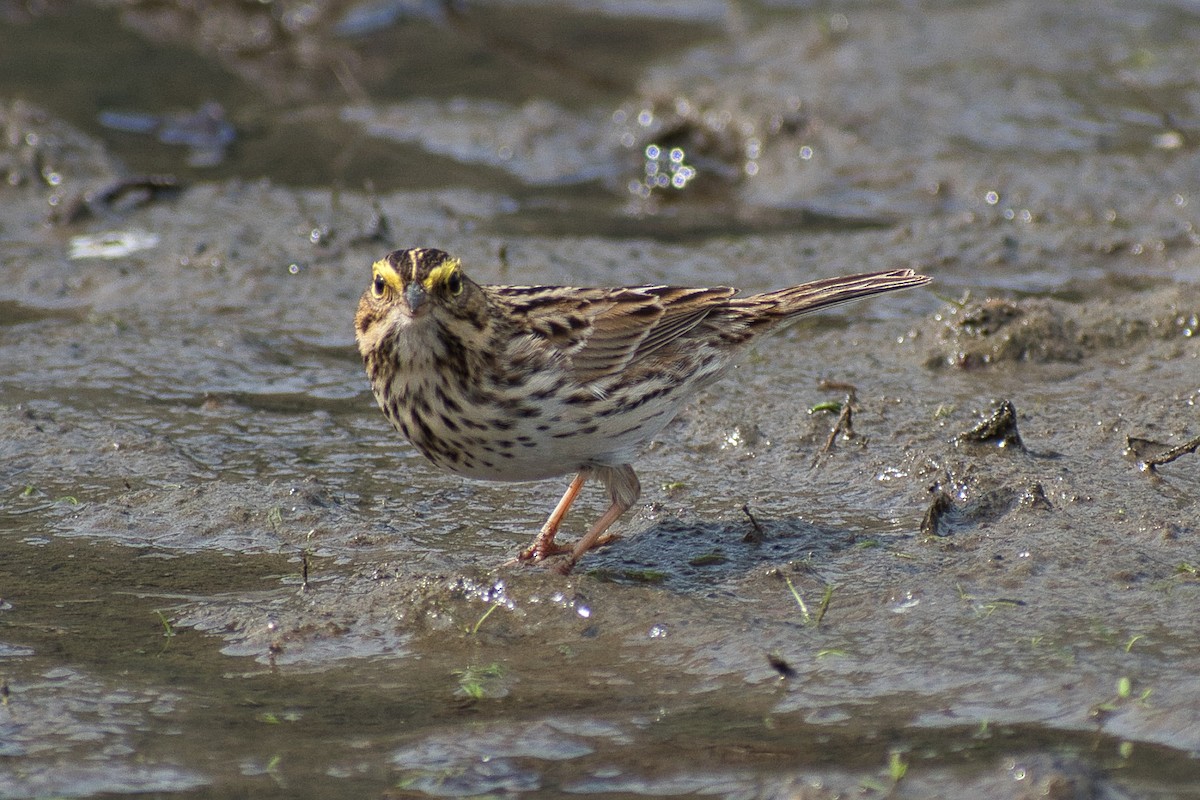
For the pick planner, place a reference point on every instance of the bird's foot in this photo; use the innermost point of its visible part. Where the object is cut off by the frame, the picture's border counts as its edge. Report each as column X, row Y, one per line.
column 541, row 550
column 565, row 565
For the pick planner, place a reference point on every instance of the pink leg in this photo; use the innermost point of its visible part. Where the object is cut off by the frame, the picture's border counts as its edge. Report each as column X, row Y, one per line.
column 623, row 489
column 595, row 537
column 543, row 544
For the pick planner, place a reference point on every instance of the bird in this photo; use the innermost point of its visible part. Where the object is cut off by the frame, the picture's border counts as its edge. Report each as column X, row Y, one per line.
column 525, row 383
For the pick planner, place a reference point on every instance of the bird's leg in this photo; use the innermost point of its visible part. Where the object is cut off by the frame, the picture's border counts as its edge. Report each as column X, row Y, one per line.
column 543, row 544
column 624, row 490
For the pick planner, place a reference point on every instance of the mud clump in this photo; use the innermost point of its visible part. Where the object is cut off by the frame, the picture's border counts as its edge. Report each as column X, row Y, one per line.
column 992, row 331
column 979, row 334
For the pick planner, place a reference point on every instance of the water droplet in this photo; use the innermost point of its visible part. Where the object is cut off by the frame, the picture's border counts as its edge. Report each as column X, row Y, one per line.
column 1168, row 140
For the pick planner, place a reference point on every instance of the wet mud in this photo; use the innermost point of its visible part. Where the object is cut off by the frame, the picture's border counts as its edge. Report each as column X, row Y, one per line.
column 944, row 543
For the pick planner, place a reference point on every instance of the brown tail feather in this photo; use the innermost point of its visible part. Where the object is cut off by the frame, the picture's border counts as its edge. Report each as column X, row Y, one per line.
column 796, row 300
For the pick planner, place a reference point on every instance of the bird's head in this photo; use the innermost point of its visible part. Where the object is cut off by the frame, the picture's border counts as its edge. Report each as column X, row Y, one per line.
column 410, row 289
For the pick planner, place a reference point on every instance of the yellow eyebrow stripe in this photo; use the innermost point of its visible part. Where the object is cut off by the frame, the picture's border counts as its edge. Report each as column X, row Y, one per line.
column 440, row 274
column 385, row 270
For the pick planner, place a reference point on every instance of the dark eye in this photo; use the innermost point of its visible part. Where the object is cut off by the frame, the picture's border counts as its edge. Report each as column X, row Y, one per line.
column 454, row 284
column 378, row 285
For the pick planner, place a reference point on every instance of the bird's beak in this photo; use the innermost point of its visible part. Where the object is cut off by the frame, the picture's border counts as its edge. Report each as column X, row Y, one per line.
column 415, row 296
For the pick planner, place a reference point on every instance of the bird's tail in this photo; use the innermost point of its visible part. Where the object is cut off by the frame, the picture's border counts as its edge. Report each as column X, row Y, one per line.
column 784, row 304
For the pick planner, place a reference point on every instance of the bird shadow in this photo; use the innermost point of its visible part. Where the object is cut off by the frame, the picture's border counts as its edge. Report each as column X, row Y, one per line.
column 697, row 556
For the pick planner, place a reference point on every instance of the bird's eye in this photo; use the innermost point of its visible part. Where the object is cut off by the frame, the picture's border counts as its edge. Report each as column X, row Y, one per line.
column 378, row 285
column 454, row 284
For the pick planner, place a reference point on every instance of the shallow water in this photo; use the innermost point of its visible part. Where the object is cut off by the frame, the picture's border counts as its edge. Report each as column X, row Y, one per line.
column 223, row 575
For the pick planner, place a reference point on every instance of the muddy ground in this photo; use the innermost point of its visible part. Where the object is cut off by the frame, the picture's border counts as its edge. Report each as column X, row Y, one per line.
column 221, row 574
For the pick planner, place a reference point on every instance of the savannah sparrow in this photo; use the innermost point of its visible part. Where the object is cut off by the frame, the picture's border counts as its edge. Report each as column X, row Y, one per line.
column 518, row 383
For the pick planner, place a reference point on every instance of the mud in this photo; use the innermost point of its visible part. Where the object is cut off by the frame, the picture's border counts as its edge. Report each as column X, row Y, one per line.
column 222, row 574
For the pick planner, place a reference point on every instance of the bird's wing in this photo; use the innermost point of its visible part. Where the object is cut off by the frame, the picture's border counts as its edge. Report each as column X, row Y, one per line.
column 683, row 309
column 602, row 332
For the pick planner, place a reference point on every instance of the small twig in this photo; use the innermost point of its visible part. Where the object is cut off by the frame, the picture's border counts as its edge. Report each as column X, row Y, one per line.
column 756, row 535
column 845, row 421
